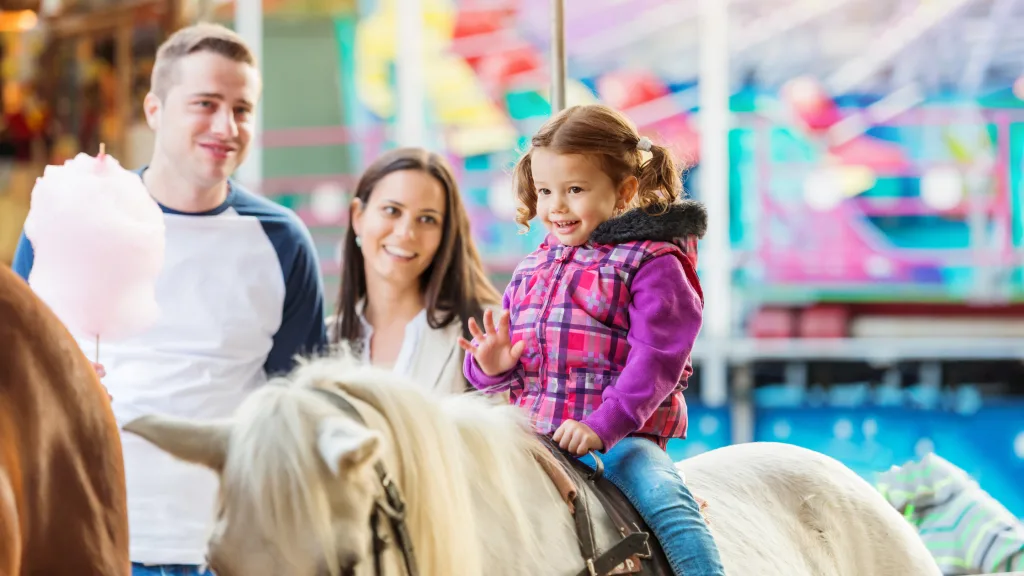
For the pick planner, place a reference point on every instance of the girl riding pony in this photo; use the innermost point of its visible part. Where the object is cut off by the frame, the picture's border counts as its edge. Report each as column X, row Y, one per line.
column 594, row 341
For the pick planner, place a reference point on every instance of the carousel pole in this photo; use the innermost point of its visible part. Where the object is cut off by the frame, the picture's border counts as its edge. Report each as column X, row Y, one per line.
column 410, row 78
column 558, row 65
column 249, row 25
column 714, row 192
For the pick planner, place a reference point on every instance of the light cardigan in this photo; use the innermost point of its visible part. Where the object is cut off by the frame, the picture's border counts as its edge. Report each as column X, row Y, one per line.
column 434, row 357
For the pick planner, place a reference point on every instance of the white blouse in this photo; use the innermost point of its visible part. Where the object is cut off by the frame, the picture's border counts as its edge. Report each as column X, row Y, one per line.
column 430, row 357
column 414, row 331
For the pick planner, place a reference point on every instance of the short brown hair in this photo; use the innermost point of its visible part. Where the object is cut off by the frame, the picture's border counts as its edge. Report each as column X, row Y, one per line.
column 609, row 137
column 455, row 286
column 202, row 37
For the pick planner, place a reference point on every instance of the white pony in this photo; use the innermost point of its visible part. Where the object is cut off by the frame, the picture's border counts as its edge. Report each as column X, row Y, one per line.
column 298, row 488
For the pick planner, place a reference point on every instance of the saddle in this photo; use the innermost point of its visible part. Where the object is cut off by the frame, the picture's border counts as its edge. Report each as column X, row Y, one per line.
column 638, row 552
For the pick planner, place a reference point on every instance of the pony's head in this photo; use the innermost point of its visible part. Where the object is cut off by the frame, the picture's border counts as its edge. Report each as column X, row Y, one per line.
column 297, row 482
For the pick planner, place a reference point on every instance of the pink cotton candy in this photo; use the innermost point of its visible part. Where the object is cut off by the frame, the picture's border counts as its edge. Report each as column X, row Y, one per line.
column 98, row 239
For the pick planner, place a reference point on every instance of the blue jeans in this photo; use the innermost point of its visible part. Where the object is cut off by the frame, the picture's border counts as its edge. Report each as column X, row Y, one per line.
column 648, row 478
column 168, row 570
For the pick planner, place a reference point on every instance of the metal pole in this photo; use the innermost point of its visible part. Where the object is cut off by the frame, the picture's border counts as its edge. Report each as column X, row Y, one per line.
column 249, row 25
column 714, row 192
column 557, row 56
column 410, row 78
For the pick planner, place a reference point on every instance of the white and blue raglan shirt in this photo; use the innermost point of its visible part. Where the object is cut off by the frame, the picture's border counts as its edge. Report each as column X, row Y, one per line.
column 240, row 295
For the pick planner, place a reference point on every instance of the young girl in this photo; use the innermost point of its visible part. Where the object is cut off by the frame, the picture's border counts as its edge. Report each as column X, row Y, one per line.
column 604, row 315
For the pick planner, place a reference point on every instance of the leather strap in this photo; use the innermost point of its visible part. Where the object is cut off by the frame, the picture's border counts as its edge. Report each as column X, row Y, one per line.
column 584, row 527
column 620, row 523
column 392, row 505
column 379, row 545
column 627, row 549
column 394, row 508
column 560, row 476
column 626, row 552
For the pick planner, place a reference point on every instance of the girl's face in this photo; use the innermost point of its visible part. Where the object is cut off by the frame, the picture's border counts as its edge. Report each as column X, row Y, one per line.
column 401, row 226
column 574, row 195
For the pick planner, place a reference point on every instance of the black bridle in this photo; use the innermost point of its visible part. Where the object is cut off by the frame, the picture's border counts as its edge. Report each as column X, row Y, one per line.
column 391, row 507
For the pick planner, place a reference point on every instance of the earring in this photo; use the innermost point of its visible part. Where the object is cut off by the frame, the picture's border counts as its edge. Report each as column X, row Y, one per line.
column 359, row 242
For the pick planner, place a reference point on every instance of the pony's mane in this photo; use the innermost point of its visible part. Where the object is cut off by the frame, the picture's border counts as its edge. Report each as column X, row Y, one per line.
column 449, row 448
column 275, row 464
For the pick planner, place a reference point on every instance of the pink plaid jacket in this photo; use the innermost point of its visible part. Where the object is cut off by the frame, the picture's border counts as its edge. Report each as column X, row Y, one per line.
column 608, row 327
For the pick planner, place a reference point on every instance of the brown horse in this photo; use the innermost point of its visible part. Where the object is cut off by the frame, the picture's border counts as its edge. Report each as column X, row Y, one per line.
column 62, row 489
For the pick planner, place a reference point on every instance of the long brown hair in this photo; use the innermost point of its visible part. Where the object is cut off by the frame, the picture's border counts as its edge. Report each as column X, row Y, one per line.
column 455, row 286
column 603, row 133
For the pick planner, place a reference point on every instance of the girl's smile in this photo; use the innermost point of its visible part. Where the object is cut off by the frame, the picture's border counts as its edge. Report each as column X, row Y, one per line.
column 574, row 195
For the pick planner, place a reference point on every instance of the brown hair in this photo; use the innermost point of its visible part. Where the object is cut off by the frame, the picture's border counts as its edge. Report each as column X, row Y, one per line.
column 203, row 37
column 608, row 136
column 455, row 285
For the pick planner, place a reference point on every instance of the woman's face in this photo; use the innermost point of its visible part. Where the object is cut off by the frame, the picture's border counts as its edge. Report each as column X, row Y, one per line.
column 401, row 226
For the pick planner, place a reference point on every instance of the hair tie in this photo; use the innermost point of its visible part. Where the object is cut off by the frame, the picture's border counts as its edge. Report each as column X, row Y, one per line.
column 644, row 144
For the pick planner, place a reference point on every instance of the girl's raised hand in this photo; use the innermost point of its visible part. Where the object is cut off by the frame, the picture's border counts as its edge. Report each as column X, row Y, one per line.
column 494, row 351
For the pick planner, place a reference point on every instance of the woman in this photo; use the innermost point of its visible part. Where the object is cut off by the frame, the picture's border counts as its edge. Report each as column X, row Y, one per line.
column 411, row 276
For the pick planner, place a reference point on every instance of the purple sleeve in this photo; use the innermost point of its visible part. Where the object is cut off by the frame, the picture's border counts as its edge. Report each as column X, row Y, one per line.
column 665, row 318
column 475, row 375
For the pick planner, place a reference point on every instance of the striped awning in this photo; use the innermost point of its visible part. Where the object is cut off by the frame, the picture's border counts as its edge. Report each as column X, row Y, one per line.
column 966, row 530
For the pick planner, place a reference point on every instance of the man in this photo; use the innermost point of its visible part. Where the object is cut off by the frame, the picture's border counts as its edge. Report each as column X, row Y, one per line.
column 240, row 292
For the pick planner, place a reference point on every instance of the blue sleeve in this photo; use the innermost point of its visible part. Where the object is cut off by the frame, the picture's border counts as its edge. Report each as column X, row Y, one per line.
column 23, row 257
column 302, row 330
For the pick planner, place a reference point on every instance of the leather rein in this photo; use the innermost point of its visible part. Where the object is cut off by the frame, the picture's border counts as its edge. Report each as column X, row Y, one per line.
column 391, row 507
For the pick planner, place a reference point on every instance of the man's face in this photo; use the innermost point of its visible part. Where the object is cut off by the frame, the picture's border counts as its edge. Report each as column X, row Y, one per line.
column 205, row 121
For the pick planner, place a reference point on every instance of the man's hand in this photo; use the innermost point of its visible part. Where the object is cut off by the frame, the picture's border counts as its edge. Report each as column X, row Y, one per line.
column 577, row 438
column 101, row 372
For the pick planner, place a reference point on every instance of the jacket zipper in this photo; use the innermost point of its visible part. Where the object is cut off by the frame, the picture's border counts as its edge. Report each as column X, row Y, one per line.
column 563, row 255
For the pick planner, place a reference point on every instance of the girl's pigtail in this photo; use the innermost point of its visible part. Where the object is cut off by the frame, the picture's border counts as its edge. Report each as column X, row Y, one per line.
column 660, row 183
column 526, row 193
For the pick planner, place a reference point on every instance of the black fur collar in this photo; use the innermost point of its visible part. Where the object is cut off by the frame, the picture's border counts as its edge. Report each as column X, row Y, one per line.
column 685, row 218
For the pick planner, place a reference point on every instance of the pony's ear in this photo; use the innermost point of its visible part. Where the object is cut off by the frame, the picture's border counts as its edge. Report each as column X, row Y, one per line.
column 345, row 446
column 204, row 443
